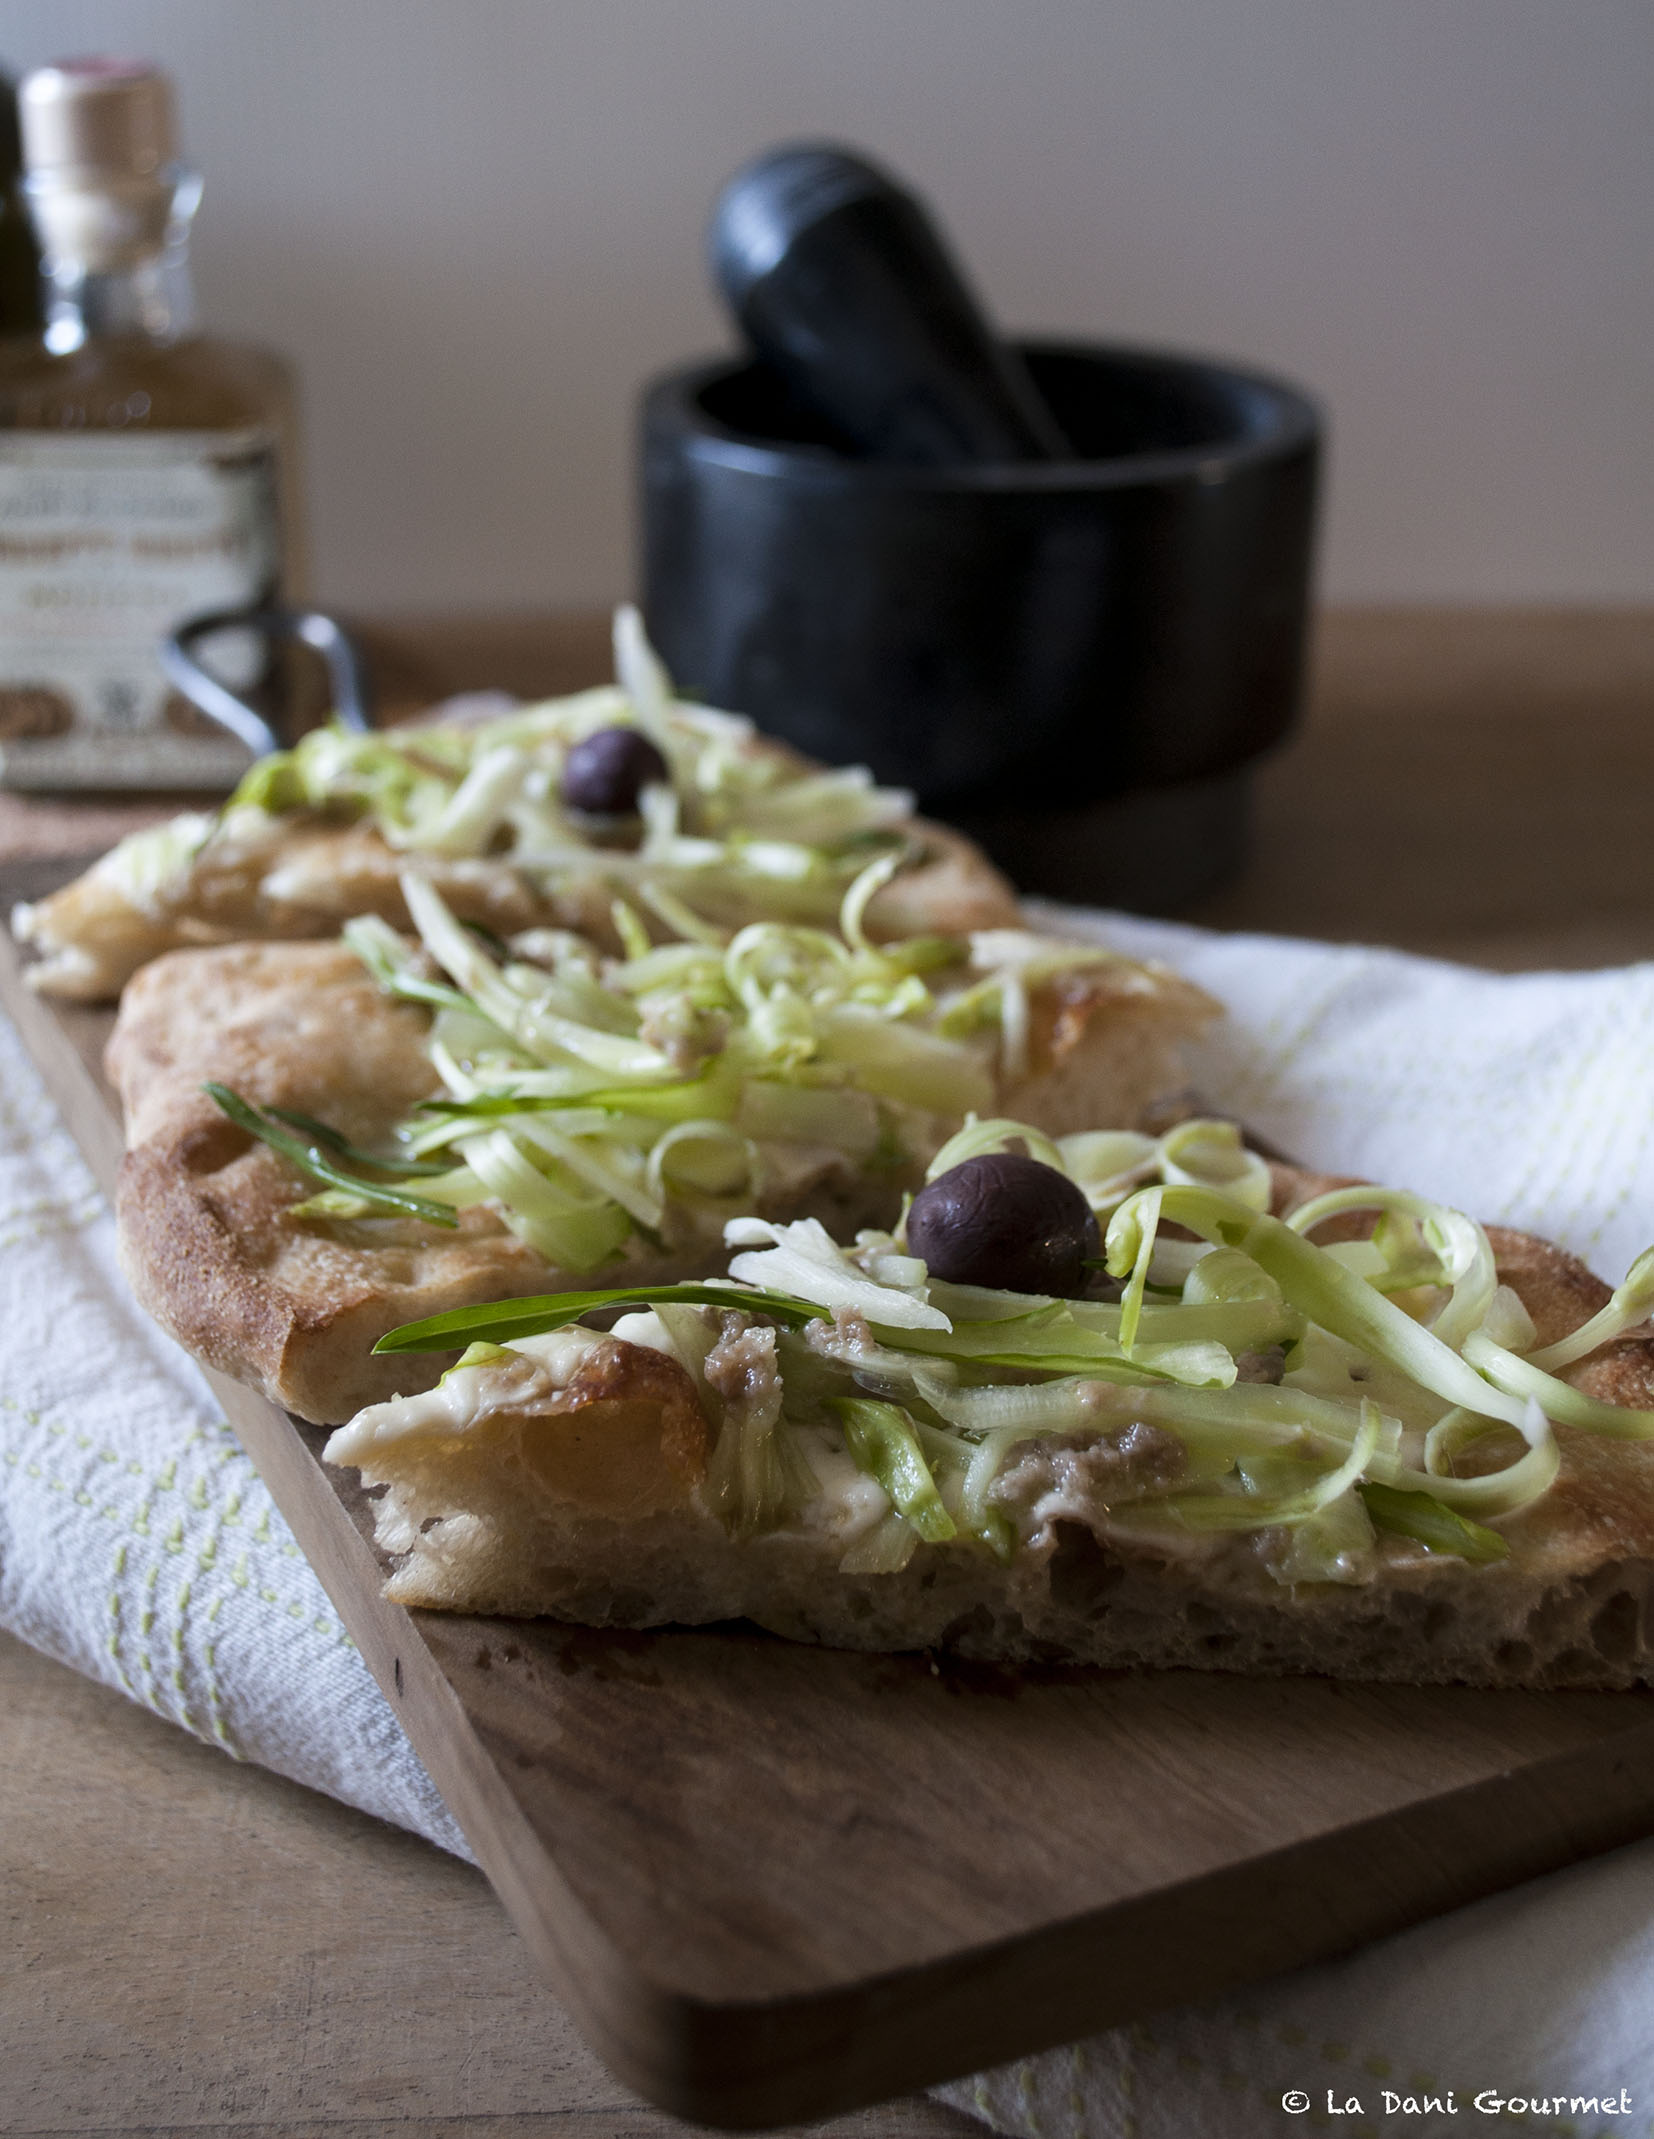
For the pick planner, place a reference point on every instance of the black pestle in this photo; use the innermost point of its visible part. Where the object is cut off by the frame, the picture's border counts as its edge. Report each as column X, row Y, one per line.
column 844, row 285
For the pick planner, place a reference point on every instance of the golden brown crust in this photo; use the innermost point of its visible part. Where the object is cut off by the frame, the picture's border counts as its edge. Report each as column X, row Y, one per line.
column 272, row 1019
column 1103, row 1045
column 625, row 1438
column 205, row 1237
column 1291, row 1185
column 293, row 882
column 1556, row 1288
column 950, row 890
column 1602, row 1504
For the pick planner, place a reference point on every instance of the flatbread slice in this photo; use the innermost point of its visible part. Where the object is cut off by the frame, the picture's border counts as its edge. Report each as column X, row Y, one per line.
column 298, row 877
column 587, row 1475
column 739, row 829
column 217, row 1231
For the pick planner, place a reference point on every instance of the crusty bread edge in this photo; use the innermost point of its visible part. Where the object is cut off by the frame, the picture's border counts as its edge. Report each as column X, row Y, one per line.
column 1079, row 1602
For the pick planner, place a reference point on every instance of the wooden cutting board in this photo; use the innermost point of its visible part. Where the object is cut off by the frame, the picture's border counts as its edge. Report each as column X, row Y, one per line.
column 772, row 1882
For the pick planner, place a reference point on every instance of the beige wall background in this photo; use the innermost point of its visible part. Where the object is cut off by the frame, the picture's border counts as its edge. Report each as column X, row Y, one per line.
column 477, row 226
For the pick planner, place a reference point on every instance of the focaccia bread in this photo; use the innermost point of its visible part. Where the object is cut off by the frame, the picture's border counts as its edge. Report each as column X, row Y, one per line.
column 606, row 1138
column 297, row 876
column 709, row 817
column 201, row 1206
column 830, row 1471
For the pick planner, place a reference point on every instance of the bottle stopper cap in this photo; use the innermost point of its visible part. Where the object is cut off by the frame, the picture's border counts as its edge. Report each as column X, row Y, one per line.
column 97, row 118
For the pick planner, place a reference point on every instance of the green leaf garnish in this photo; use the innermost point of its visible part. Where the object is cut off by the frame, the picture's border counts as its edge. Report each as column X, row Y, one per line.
column 321, row 1133
column 500, row 1322
column 310, row 1158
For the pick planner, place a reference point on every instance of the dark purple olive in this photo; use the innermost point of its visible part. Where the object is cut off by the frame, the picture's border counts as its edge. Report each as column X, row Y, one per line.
column 604, row 774
column 1005, row 1221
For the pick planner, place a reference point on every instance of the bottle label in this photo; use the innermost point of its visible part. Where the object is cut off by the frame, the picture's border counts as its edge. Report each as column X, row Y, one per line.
column 107, row 541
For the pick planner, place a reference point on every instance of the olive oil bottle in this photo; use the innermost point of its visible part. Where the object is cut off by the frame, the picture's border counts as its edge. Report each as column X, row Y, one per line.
column 145, row 468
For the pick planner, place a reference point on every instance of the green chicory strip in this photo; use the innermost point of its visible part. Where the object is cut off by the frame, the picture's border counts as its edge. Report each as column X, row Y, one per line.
column 1316, row 1284
column 1631, row 1303
column 691, row 1099
column 1559, row 1400
column 394, row 966
column 310, row 1158
column 1428, row 1242
column 1423, row 1518
column 1232, row 1511
column 882, row 1440
column 502, row 1322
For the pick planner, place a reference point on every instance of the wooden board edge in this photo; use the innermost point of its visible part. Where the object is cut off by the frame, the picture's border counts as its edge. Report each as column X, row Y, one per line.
column 752, row 2067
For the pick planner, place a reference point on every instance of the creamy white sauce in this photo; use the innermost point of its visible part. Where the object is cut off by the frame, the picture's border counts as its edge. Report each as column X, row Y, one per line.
column 850, row 1502
column 464, row 1397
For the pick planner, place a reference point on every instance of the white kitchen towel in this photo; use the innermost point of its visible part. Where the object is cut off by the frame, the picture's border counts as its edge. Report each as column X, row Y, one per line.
column 1526, row 1099
column 138, row 1544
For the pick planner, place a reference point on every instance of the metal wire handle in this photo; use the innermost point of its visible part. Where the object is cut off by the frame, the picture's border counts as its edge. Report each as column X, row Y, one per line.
column 347, row 671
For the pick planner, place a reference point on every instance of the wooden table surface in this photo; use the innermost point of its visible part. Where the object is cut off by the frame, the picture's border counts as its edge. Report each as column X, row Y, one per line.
column 189, row 1944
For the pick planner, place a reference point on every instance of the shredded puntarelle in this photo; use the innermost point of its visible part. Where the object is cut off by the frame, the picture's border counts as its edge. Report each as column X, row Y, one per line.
column 732, row 828
column 1314, row 1399
column 589, row 1099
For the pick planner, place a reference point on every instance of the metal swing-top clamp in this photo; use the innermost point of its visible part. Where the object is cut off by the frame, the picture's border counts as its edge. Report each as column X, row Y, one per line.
column 348, row 678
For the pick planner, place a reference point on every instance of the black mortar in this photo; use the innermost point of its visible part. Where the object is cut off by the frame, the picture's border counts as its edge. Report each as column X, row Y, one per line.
column 1076, row 661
